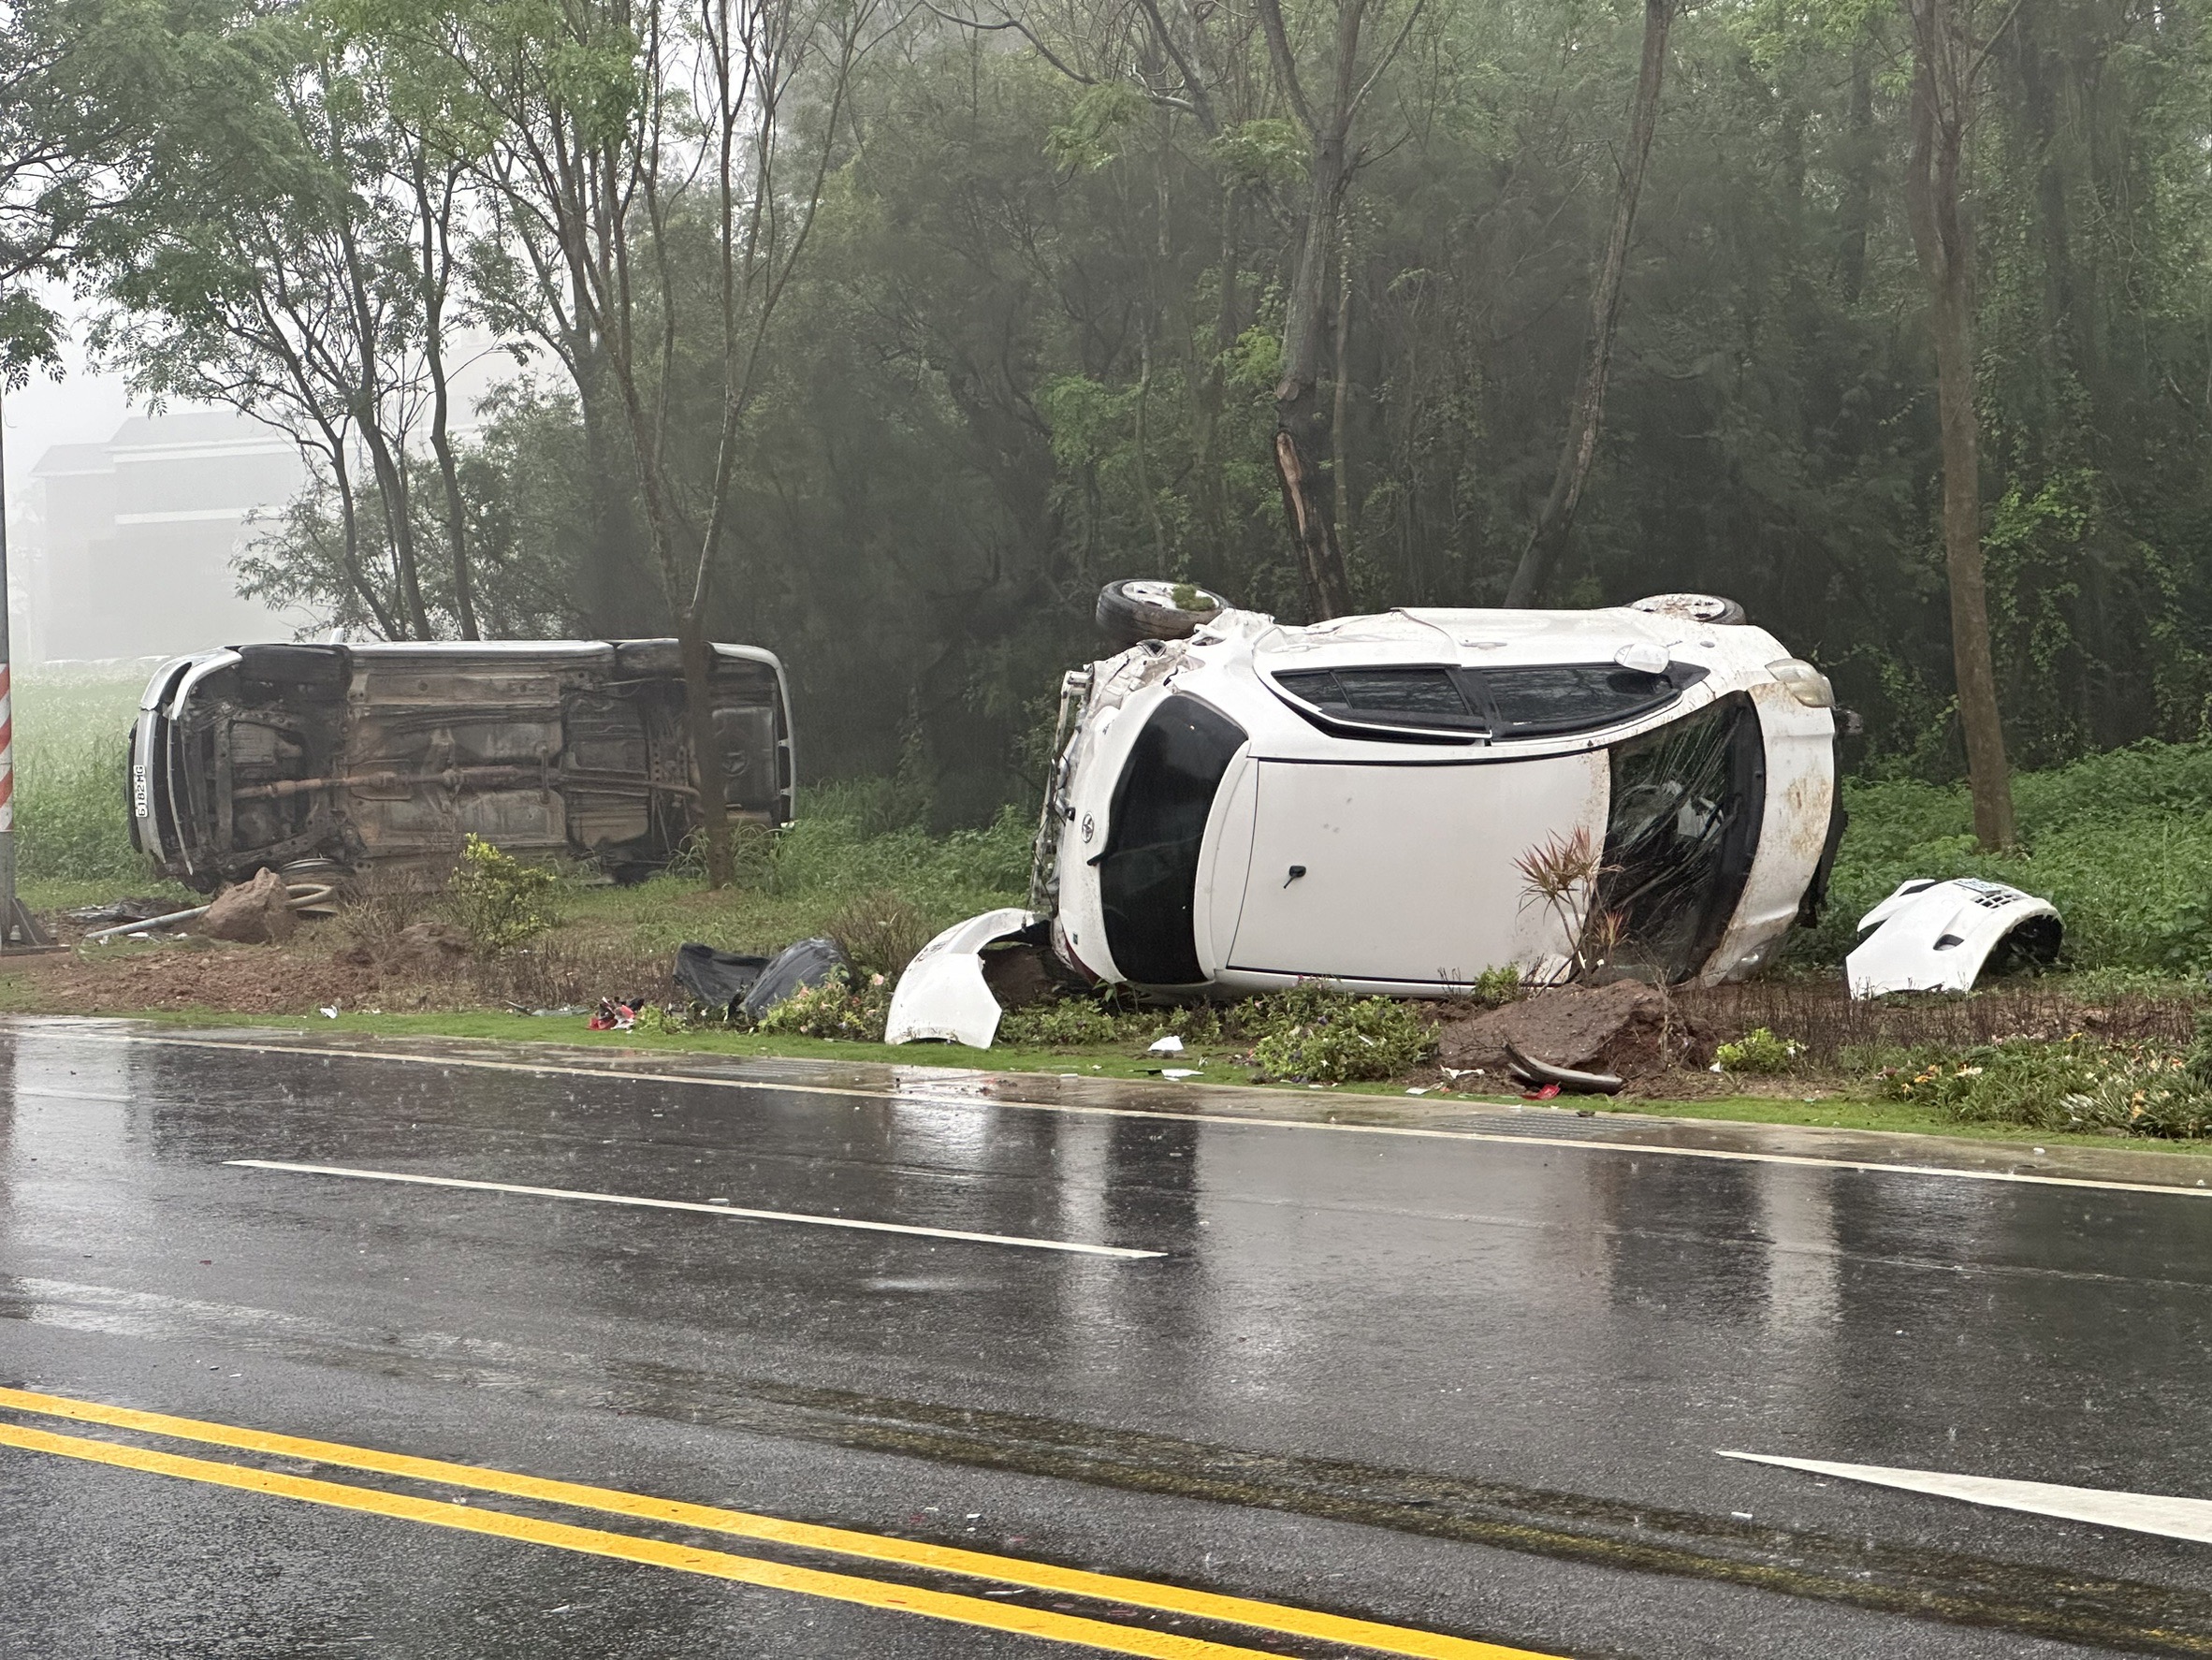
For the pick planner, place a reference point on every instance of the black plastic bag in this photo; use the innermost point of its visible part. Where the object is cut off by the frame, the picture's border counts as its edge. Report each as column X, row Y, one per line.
column 719, row 979
column 795, row 968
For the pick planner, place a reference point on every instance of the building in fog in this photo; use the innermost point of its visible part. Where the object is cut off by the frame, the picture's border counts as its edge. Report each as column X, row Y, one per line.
column 131, row 541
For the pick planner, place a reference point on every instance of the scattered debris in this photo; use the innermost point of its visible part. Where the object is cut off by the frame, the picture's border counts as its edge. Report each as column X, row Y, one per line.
column 795, row 968
column 1169, row 1045
column 1529, row 1070
column 1940, row 935
column 117, row 912
column 741, row 987
column 944, row 996
column 615, row 1014
column 718, row 980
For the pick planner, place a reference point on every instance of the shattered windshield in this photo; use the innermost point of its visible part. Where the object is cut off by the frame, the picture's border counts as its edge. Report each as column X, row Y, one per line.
column 1687, row 802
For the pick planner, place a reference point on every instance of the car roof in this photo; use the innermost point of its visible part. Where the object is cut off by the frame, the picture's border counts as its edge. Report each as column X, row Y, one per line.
column 1468, row 636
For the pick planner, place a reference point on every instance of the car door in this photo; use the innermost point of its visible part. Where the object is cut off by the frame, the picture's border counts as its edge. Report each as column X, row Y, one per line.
column 1407, row 872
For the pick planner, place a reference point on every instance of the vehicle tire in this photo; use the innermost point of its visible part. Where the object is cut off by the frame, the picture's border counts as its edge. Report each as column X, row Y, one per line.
column 1692, row 607
column 1135, row 611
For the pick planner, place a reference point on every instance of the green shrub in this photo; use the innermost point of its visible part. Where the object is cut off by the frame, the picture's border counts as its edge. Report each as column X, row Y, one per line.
column 1316, row 1034
column 1760, row 1052
column 1493, row 988
column 655, row 1021
column 1068, row 1023
column 2080, row 1084
column 72, row 743
column 499, row 900
column 837, row 1008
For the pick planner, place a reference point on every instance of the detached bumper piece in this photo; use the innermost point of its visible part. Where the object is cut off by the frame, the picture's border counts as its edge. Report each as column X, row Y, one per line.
column 943, row 997
column 1941, row 936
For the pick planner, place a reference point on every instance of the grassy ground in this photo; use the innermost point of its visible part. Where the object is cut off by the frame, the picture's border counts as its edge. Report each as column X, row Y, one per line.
column 2122, row 842
column 1826, row 1109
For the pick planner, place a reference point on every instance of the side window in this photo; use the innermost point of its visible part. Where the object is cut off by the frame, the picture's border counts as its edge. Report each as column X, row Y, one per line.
column 1387, row 696
column 1148, row 873
column 1542, row 700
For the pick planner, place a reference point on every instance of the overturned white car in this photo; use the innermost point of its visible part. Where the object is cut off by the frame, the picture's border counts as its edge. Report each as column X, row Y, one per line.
column 1360, row 800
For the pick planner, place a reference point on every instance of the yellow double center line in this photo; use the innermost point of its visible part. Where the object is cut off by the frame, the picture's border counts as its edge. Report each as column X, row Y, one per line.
column 940, row 1605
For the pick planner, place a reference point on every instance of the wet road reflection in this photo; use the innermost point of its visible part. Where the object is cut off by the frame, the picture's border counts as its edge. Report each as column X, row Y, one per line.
column 1569, row 1321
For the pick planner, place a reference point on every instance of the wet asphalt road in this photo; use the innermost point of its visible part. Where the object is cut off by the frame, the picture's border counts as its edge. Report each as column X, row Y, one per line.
column 1472, row 1387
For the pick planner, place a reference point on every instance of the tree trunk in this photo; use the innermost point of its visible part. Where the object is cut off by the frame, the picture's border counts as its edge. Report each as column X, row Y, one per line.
column 436, row 219
column 1858, row 207
column 1301, row 421
column 707, row 773
column 1340, row 461
column 1540, row 558
column 1941, row 95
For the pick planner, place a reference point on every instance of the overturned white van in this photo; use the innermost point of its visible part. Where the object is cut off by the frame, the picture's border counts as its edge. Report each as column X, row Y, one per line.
column 1255, row 803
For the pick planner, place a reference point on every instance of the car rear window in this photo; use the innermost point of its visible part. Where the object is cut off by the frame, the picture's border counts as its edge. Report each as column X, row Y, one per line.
column 1540, row 701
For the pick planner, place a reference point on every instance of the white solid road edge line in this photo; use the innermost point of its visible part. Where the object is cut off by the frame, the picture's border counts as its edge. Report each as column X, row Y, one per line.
column 904, row 1093
column 2138, row 1512
column 1122, row 1252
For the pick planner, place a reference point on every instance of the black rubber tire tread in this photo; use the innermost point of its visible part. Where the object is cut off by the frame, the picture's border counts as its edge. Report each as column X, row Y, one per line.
column 1124, row 621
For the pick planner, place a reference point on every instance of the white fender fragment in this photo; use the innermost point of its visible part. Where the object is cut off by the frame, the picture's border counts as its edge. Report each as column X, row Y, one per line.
column 1936, row 935
column 942, row 995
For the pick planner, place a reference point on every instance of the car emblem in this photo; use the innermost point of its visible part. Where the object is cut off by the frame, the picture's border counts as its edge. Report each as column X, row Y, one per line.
column 1090, row 826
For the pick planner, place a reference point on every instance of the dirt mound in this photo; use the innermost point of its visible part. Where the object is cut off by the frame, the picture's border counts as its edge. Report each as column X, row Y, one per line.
column 1635, row 1032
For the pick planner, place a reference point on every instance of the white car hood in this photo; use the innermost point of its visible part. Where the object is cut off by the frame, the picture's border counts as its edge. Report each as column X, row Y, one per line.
column 1936, row 935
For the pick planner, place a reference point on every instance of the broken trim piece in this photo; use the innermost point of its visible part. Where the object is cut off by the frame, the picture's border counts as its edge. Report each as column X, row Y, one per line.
column 1939, row 936
column 942, row 997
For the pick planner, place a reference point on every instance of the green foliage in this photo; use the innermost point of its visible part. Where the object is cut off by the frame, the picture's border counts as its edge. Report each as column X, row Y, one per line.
column 1095, row 129
column 72, row 743
column 1493, row 988
column 2121, row 843
column 1758, row 1051
column 837, row 1008
column 1068, row 1023
column 2080, row 1084
column 1313, row 1033
column 1258, row 154
column 499, row 900
column 654, row 1021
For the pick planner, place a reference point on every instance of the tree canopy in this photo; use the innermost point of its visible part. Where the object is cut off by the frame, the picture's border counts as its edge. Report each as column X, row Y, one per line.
column 917, row 324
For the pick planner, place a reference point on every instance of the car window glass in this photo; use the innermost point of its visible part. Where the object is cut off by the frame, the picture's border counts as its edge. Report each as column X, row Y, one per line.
column 1387, row 697
column 1567, row 697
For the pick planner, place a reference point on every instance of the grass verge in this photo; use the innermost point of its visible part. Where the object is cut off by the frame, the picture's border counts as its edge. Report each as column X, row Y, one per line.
column 1824, row 1110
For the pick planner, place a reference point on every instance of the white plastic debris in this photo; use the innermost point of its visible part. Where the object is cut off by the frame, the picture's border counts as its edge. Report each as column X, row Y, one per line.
column 329, row 1012
column 1166, row 1047
column 942, row 994
column 1937, row 936
column 1178, row 1071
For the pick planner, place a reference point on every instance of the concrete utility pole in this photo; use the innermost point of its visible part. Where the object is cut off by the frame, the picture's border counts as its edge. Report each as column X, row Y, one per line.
column 19, row 930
